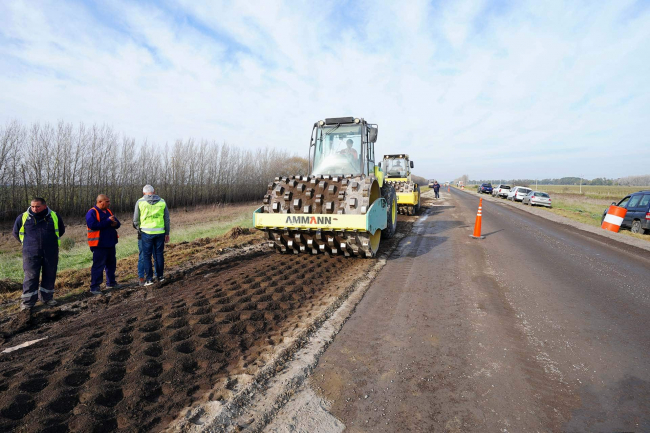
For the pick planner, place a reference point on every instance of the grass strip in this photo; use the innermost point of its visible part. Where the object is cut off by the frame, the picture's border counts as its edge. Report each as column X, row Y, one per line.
column 80, row 256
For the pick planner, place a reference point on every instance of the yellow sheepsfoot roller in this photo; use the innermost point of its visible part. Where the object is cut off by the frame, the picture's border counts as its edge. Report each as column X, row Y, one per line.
column 397, row 170
column 343, row 206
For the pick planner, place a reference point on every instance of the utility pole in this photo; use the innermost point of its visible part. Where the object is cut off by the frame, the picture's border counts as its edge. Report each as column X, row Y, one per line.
column 581, row 183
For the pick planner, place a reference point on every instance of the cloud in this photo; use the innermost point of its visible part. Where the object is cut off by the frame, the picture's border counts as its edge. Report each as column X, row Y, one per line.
column 491, row 89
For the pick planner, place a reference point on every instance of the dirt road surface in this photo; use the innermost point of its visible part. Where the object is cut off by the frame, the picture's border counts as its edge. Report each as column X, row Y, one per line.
column 538, row 327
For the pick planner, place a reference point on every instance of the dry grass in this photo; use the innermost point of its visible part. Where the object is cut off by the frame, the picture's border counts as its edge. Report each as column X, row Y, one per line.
column 187, row 225
column 611, row 193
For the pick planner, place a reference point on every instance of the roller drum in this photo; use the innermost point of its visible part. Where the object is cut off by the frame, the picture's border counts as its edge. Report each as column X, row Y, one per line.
column 326, row 195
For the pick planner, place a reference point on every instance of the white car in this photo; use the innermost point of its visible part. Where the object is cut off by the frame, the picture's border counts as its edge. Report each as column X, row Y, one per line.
column 501, row 191
column 537, row 198
column 518, row 193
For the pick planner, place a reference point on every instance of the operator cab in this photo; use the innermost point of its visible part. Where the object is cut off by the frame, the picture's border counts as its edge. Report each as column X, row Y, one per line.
column 342, row 146
column 397, row 166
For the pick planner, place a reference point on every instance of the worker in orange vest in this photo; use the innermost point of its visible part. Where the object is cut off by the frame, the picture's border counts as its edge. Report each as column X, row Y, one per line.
column 102, row 238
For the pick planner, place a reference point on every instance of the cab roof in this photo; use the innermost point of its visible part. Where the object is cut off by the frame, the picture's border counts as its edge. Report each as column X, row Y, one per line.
column 401, row 155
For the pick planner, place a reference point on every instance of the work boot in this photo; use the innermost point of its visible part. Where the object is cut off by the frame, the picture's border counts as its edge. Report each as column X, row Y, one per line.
column 114, row 286
column 24, row 307
column 141, row 283
column 95, row 292
column 50, row 303
column 148, row 283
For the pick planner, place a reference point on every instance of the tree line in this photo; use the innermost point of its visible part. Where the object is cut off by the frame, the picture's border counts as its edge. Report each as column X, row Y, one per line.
column 70, row 165
column 643, row 180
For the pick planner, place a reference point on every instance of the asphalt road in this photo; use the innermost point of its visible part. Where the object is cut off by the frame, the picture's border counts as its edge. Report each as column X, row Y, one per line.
column 538, row 327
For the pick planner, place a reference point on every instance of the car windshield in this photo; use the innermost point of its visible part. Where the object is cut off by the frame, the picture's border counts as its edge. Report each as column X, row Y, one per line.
column 523, row 191
column 541, row 194
column 505, row 187
column 395, row 167
column 338, row 150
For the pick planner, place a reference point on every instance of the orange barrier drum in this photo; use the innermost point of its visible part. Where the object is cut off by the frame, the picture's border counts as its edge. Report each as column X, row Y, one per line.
column 614, row 218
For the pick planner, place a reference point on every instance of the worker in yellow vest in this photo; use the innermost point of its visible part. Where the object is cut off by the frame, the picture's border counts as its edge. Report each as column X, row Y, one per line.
column 39, row 229
column 151, row 219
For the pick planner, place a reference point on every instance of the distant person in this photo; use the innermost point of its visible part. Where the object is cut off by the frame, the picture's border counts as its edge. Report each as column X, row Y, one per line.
column 436, row 188
column 151, row 217
column 349, row 150
column 39, row 229
column 102, row 238
column 397, row 168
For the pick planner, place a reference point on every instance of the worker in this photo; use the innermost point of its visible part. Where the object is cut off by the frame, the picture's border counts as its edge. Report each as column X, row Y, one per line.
column 436, row 188
column 102, row 238
column 397, row 169
column 349, row 150
column 151, row 217
column 39, row 229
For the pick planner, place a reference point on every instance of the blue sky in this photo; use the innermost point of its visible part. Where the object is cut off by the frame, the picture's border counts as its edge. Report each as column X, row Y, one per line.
column 489, row 89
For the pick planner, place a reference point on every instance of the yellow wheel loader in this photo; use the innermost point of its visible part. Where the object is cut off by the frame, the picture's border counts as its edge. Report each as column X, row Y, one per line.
column 344, row 206
column 397, row 169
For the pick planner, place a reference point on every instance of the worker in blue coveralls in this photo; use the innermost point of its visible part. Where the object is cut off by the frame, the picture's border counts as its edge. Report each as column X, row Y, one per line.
column 39, row 229
column 102, row 238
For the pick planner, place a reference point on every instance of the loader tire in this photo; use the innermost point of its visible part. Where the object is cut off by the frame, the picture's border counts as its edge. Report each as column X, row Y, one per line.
column 388, row 192
column 417, row 206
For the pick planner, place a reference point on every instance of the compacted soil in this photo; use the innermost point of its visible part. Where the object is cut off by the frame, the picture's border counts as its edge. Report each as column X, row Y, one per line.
column 133, row 361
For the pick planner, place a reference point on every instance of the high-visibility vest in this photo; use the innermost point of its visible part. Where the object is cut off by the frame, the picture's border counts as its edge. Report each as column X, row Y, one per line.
column 152, row 216
column 93, row 235
column 55, row 220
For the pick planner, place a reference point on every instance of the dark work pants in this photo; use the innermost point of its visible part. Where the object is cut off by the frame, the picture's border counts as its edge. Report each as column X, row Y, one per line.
column 153, row 245
column 35, row 264
column 437, row 193
column 103, row 260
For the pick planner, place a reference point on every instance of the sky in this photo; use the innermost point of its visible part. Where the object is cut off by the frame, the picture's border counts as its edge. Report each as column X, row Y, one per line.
column 491, row 89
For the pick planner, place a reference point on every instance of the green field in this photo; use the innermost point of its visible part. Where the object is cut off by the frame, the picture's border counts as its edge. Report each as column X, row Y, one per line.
column 11, row 262
column 611, row 193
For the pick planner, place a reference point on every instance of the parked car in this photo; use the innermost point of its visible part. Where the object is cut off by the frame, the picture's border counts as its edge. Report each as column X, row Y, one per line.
column 485, row 188
column 637, row 218
column 537, row 198
column 501, row 190
column 518, row 193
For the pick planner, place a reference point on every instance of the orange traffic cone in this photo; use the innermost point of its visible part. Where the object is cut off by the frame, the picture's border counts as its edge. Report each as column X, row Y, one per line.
column 448, row 189
column 477, row 224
